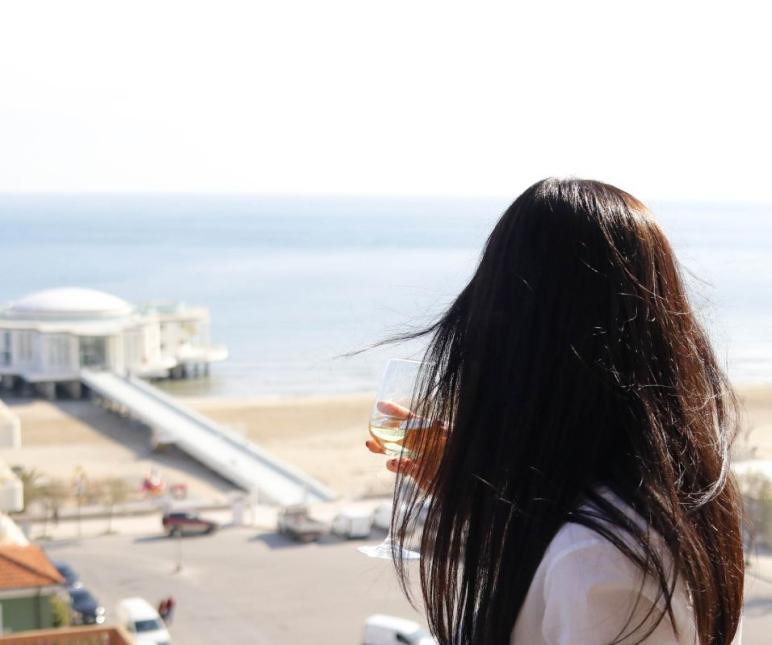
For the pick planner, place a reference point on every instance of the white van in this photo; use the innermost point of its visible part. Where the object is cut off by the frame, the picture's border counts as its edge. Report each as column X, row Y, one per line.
column 142, row 621
column 388, row 630
column 352, row 524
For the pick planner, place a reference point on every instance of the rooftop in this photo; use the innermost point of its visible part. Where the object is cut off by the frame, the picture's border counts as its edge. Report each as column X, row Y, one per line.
column 67, row 303
column 22, row 567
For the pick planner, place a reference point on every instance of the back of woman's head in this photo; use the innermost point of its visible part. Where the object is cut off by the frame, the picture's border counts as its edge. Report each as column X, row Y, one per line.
column 573, row 360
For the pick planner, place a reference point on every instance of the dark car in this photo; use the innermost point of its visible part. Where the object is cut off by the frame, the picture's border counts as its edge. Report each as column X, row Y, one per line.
column 85, row 608
column 184, row 523
column 71, row 577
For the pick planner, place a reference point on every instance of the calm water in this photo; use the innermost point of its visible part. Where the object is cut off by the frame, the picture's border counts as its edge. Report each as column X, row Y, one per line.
column 293, row 283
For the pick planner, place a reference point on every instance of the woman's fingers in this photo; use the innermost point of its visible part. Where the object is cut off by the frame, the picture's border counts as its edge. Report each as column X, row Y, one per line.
column 397, row 415
column 402, row 465
column 391, row 409
column 374, row 446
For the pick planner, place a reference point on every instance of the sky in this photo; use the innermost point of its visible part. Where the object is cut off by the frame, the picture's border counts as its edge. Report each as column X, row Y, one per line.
column 669, row 100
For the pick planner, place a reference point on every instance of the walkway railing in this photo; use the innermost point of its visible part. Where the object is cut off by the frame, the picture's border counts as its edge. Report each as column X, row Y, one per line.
column 216, row 446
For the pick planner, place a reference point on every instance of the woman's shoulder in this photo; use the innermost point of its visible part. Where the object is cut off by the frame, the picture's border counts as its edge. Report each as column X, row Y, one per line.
column 600, row 553
column 581, row 559
column 586, row 589
column 577, row 539
column 575, row 535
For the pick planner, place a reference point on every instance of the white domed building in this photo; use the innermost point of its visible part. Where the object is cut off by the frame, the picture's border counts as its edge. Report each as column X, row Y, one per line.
column 48, row 337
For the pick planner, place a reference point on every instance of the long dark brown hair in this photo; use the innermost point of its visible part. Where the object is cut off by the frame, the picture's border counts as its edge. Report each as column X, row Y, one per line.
column 572, row 360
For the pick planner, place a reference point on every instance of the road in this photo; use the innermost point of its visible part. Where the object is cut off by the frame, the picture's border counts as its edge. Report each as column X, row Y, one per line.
column 242, row 587
column 248, row 587
column 757, row 621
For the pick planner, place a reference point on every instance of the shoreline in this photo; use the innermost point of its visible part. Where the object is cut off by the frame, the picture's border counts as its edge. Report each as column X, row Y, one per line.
column 272, row 399
column 740, row 387
column 321, row 434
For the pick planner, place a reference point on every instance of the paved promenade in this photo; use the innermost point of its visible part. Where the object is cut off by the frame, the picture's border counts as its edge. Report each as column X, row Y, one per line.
column 240, row 585
column 248, row 585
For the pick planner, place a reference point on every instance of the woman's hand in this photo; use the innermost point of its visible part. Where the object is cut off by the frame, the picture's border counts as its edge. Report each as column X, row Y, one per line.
column 404, row 465
column 400, row 414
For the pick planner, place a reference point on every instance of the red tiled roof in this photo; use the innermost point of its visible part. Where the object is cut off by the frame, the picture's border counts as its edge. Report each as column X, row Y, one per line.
column 22, row 567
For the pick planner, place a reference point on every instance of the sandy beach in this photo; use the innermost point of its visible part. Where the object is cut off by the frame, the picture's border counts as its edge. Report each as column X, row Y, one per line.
column 324, row 436
column 756, row 403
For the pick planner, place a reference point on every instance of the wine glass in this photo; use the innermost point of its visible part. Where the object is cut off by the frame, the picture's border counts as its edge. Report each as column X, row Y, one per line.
column 390, row 427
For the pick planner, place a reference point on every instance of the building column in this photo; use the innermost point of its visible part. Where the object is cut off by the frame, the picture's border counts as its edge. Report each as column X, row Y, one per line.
column 47, row 390
column 74, row 389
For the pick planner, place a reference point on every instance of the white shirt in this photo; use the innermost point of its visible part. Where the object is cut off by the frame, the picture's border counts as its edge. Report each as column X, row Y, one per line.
column 584, row 591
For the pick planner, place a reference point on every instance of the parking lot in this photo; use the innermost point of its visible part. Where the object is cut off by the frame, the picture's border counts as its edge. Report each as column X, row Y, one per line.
column 242, row 587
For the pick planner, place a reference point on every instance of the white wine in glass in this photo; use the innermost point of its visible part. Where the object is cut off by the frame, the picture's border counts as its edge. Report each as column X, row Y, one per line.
column 395, row 434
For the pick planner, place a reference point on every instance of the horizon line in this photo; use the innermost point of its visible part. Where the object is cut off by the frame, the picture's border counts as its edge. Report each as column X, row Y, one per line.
column 344, row 195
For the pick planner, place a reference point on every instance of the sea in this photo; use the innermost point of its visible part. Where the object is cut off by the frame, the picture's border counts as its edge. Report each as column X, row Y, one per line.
column 301, row 288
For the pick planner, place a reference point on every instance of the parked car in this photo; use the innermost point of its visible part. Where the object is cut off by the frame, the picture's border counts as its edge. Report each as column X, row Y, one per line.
column 141, row 620
column 352, row 524
column 85, row 608
column 295, row 522
column 382, row 630
column 187, row 523
column 71, row 577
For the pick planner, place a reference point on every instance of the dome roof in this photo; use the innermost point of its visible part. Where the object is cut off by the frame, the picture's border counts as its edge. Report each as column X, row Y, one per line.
column 68, row 303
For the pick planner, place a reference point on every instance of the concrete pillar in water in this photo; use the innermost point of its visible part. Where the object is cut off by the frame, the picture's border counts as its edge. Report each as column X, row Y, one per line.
column 26, row 388
column 47, row 390
column 74, row 389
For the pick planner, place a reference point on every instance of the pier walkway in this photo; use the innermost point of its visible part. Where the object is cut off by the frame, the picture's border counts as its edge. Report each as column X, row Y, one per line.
column 217, row 447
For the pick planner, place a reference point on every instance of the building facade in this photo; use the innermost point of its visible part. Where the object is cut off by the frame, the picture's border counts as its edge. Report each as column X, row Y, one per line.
column 48, row 337
column 29, row 582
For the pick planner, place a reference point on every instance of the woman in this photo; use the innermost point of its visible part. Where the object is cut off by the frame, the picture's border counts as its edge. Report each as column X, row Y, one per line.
column 576, row 469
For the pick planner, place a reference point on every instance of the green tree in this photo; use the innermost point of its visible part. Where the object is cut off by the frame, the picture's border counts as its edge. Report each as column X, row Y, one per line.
column 32, row 484
column 113, row 491
column 60, row 610
column 54, row 495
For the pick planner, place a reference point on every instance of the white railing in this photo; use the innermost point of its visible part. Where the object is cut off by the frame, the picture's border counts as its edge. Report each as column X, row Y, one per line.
column 216, row 446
